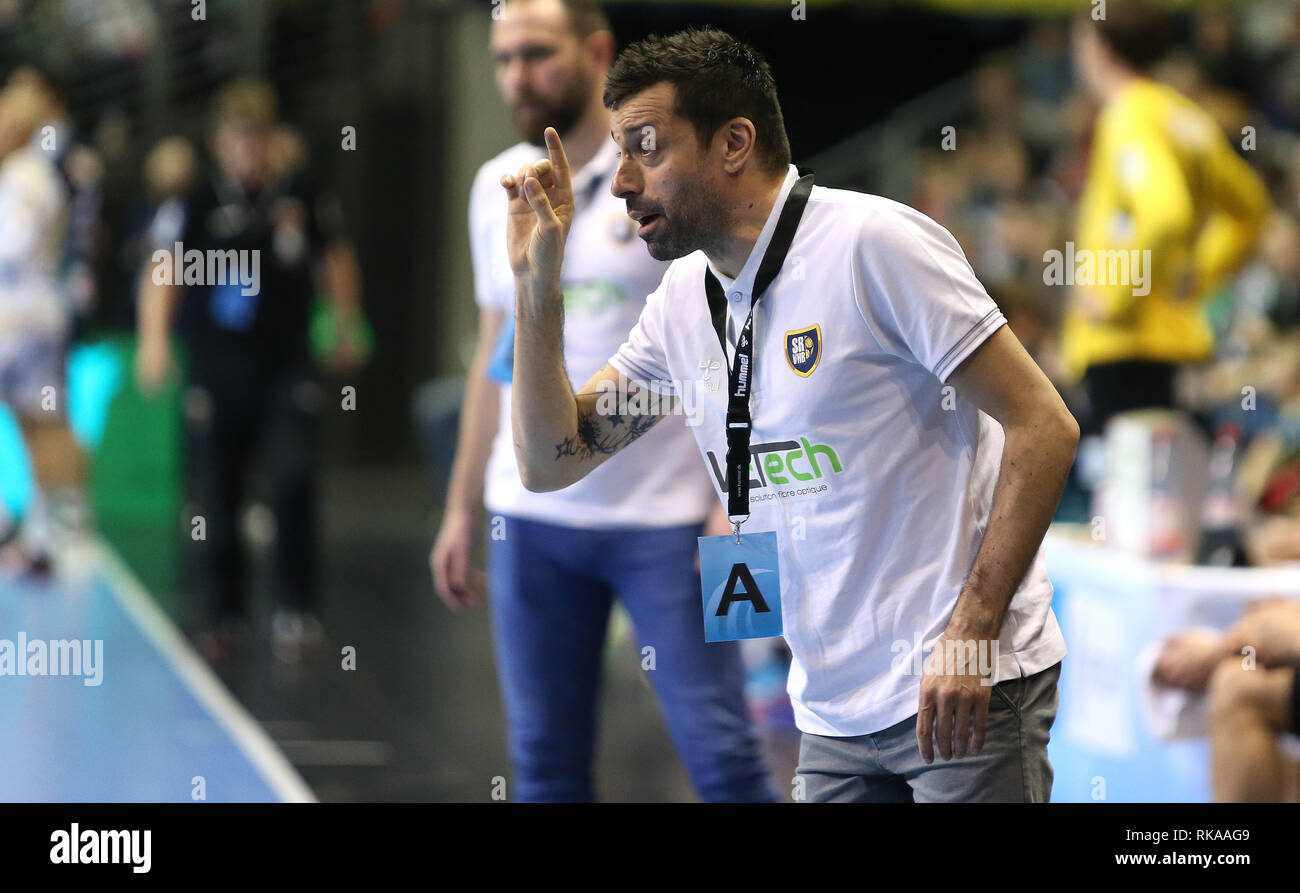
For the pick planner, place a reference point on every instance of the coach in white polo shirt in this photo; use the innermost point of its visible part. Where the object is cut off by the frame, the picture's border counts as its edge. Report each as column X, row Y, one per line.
column 557, row 561
column 906, row 451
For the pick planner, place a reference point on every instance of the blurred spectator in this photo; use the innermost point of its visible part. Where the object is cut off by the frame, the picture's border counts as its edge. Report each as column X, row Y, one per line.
column 1259, row 342
column 1251, row 677
column 170, row 170
column 1282, row 93
column 252, row 384
column 82, row 173
column 1165, row 191
column 35, row 320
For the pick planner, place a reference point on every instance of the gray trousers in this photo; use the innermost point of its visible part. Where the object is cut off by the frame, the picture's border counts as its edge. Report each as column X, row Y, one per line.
column 886, row 766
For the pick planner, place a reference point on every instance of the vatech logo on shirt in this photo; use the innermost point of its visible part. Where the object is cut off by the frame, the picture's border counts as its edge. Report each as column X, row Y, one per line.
column 803, row 349
column 782, row 462
column 593, row 297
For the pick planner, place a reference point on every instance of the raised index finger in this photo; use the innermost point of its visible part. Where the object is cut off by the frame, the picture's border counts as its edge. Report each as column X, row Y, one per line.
column 559, row 161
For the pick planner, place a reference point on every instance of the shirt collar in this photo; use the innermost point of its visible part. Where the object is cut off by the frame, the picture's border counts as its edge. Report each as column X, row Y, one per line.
column 744, row 283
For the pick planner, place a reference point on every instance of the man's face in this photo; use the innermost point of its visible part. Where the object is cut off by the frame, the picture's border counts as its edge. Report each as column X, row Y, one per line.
column 542, row 69
column 243, row 151
column 671, row 184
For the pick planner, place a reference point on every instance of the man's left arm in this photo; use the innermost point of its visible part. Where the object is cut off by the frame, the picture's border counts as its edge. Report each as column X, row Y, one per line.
column 342, row 275
column 1002, row 380
column 338, row 273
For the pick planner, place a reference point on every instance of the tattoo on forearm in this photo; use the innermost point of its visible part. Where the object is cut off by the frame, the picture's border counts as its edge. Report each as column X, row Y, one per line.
column 591, row 441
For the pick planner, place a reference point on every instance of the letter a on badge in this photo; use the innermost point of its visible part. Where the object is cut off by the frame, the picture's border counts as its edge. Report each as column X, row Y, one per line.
column 740, row 584
column 740, row 575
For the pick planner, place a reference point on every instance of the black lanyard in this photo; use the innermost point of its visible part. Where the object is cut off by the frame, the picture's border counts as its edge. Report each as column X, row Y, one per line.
column 739, row 421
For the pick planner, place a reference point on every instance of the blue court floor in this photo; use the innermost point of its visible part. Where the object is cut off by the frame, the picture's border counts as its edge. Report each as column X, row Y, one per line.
column 158, row 727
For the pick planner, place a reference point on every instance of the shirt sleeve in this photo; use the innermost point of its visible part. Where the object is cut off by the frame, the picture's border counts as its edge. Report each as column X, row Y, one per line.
column 482, row 244
column 917, row 292
column 642, row 357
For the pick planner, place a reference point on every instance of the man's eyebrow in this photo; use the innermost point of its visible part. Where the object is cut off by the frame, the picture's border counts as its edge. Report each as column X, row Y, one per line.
column 633, row 127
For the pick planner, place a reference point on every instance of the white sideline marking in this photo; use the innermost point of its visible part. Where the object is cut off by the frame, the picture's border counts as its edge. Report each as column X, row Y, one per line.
column 248, row 736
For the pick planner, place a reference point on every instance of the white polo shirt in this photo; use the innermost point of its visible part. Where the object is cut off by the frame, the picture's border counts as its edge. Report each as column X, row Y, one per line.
column 606, row 275
column 877, row 479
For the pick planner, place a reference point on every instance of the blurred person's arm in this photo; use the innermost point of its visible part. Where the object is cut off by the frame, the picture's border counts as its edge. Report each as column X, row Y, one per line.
column 1273, row 369
column 156, row 303
column 1187, row 658
column 339, row 275
column 342, row 277
column 1272, row 629
column 155, row 308
column 1241, row 207
column 459, row 585
column 1275, row 540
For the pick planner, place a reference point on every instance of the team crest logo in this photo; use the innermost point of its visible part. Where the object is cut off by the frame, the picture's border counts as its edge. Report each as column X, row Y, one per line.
column 803, row 350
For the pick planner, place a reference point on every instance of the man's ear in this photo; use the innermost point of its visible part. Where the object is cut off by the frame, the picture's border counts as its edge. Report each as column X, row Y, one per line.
column 740, row 145
column 600, row 46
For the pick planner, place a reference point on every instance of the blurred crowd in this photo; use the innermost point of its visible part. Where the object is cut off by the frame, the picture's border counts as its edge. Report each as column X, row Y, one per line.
column 1009, row 189
column 1013, row 192
column 257, row 337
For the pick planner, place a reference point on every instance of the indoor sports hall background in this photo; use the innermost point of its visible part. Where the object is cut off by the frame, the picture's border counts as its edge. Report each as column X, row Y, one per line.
column 969, row 111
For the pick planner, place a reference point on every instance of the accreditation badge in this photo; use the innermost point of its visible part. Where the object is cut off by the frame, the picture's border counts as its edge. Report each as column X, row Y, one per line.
column 232, row 307
column 740, row 587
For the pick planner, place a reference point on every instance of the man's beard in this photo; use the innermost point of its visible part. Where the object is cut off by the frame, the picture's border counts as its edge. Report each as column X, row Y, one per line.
column 562, row 114
column 698, row 222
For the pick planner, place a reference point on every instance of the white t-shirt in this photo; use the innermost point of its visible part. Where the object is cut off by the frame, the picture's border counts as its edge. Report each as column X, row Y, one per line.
column 606, row 275
column 33, row 222
column 876, row 478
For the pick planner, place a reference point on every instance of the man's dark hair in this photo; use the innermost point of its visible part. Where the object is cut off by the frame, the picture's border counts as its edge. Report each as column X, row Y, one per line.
column 717, row 78
column 1137, row 32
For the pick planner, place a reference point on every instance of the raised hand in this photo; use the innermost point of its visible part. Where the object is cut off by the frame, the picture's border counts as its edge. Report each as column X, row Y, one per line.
column 541, row 211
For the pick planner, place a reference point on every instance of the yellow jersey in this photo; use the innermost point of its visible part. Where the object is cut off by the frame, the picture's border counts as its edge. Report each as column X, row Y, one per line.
column 1167, row 211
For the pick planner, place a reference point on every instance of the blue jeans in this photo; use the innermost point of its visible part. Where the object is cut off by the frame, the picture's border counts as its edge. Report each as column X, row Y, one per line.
column 552, row 589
